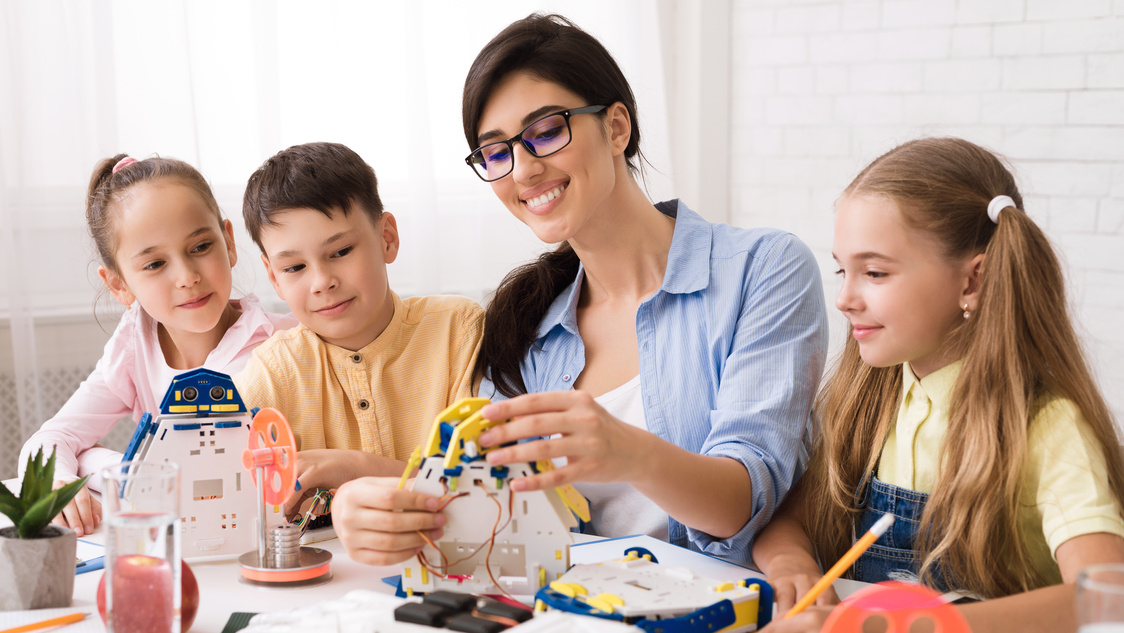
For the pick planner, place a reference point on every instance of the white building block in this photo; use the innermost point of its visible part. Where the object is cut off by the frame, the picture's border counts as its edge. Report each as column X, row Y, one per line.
column 1092, row 107
column 886, row 77
column 905, row 13
column 1031, row 107
column 963, row 75
column 1068, row 10
column 1045, row 72
column 1105, row 70
column 991, row 12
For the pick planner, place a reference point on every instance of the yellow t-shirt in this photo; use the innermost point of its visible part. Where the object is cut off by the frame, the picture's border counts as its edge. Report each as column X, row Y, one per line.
column 1065, row 493
column 381, row 399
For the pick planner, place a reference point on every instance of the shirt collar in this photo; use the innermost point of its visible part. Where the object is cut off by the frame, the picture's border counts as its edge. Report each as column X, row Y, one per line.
column 937, row 386
column 688, row 268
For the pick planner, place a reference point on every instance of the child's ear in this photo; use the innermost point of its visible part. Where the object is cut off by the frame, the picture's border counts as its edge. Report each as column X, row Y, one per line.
column 116, row 286
column 272, row 276
column 389, row 230
column 973, row 278
column 228, row 236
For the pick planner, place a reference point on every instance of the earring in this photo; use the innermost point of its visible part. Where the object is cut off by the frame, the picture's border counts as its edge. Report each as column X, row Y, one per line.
column 966, row 312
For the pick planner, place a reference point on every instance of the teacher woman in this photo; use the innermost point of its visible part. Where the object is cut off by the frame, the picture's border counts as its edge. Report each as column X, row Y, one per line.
column 668, row 362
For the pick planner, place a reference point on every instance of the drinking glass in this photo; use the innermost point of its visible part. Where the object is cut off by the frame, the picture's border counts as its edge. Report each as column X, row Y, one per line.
column 141, row 505
column 1100, row 599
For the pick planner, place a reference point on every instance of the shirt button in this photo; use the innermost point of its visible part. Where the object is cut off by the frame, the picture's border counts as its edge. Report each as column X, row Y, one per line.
column 356, row 358
column 566, row 378
column 364, row 405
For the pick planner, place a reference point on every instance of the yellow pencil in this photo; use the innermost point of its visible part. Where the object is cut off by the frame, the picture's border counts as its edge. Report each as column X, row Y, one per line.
column 64, row 619
column 878, row 529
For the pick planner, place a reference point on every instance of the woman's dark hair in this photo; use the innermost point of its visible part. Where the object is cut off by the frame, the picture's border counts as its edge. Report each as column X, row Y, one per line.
column 554, row 49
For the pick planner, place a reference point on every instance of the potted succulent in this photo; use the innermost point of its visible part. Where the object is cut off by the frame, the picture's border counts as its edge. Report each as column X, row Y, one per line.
column 39, row 554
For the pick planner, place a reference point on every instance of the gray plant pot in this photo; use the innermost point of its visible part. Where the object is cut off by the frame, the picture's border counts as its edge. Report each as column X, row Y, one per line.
column 43, row 569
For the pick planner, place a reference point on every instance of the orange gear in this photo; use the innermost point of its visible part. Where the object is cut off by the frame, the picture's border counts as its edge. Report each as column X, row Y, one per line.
column 272, row 447
column 899, row 605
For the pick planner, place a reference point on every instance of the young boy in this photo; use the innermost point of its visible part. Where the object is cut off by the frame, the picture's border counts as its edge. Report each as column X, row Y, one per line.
column 362, row 376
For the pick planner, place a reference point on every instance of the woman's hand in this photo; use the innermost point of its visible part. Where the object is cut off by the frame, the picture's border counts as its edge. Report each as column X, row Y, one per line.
column 378, row 524
column 82, row 514
column 597, row 446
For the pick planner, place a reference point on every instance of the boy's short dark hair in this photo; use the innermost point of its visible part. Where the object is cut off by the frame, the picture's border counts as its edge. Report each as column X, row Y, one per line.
column 321, row 176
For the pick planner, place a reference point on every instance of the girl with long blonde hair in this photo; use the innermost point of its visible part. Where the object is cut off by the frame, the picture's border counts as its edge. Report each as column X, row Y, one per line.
column 961, row 403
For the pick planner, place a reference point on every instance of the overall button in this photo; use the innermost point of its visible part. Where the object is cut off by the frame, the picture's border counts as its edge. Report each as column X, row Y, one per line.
column 356, row 358
column 364, row 405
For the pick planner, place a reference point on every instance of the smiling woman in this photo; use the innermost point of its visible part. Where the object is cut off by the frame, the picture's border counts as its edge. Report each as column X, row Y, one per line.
column 224, row 85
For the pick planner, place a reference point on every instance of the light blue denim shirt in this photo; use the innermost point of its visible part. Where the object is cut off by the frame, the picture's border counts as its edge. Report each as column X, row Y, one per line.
column 731, row 348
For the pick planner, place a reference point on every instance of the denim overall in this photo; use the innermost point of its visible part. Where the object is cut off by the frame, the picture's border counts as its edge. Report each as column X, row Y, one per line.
column 892, row 556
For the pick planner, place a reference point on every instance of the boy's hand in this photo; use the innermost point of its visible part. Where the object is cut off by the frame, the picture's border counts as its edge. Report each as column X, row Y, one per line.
column 792, row 577
column 82, row 514
column 322, row 469
column 378, row 524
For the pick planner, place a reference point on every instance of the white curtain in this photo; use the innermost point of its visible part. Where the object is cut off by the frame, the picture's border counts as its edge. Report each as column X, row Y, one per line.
column 225, row 84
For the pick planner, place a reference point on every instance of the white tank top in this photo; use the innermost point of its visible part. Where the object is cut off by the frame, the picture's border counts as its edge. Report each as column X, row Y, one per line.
column 617, row 509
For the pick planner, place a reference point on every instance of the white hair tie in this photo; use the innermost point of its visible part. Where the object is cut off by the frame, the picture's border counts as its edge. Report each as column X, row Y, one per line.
column 997, row 204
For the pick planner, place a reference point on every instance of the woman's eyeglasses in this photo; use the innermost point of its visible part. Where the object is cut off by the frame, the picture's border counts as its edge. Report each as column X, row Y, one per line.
column 542, row 138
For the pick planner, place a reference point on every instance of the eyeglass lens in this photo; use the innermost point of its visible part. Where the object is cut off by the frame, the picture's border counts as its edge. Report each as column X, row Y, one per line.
column 541, row 138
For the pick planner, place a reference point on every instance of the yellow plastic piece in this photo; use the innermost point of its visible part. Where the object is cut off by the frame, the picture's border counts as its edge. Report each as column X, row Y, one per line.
column 745, row 613
column 452, row 484
column 612, row 599
column 460, row 411
column 540, row 606
column 424, row 575
column 568, row 589
column 407, row 572
column 183, row 408
column 574, row 500
column 741, row 583
column 468, row 431
column 542, row 577
column 409, row 592
column 599, row 604
column 178, row 392
column 411, row 464
column 223, row 408
column 204, row 407
column 724, row 586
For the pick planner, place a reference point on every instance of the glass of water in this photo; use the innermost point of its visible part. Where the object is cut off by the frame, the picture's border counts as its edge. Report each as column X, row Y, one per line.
column 1100, row 599
column 141, row 506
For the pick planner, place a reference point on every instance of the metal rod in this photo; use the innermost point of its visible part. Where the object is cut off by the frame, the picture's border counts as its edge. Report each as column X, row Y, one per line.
column 263, row 536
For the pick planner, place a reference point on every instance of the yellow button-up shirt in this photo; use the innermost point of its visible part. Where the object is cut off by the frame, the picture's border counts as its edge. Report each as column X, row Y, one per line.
column 1065, row 493
column 381, row 399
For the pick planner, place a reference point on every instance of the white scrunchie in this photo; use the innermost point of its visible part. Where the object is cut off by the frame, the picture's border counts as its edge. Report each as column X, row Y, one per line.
column 997, row 204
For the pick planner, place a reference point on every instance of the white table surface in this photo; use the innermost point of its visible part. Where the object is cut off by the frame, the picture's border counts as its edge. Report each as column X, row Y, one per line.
column 221, row 591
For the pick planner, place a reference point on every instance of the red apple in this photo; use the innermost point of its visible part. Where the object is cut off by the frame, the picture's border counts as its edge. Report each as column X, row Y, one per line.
column 136, row 576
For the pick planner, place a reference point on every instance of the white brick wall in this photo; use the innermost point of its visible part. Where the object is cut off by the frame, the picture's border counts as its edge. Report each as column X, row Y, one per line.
column 822, row 87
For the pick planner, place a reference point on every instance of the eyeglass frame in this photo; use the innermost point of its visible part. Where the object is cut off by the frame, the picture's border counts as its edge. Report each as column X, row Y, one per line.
column 566, row 114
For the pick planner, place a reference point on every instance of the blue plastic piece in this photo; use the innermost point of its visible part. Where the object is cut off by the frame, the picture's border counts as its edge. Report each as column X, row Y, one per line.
column 641, row 552
column 201, row 381
column 500, row 472
column 187, row 426
column 453, row 472
column 138, row 434
column 562, row 602
column 713, row 618
column 254, row 412
column 446, row 435
column 227, row 425
column 765, row 599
